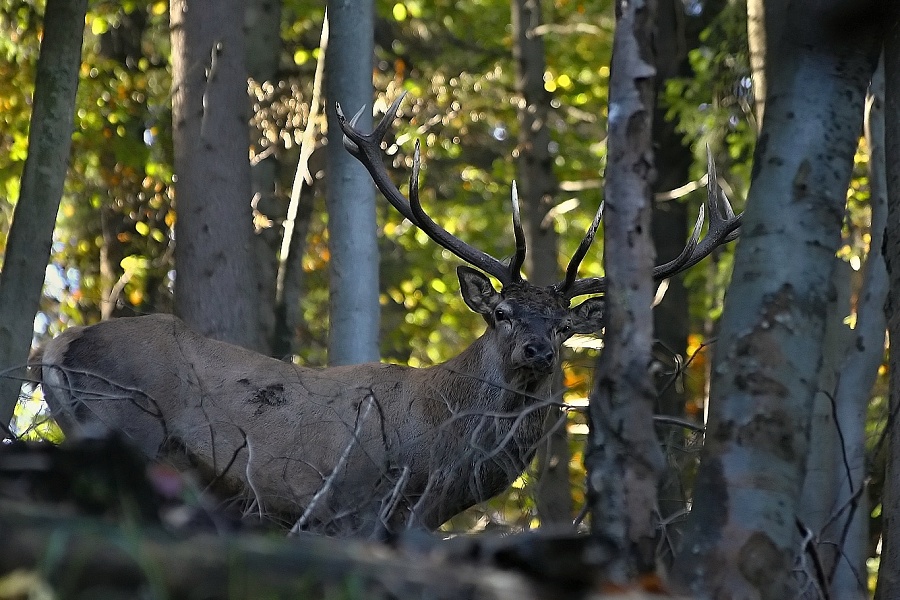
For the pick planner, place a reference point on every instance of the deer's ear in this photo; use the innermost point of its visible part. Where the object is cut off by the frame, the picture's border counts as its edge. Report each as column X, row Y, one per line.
column 477, row 291
column 587, row 317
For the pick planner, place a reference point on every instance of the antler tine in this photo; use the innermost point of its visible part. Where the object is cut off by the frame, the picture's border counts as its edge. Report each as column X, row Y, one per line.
column 724, row 226
column 678, row 263
column 515, row 264
column 366, row 148
column 567, row 286
column 470, row 254
column 586, row 285
column 715, row 195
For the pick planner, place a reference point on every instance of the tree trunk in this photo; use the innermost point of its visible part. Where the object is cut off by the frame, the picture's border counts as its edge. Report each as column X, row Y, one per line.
column 216, row 289
column 623, row 458
column 845, row 536
column 288, row 312
column 741, row 537
column 41, row 188
column 765, row 30
column 670, row 222
column 818, row 496
column 537, row 190
column 353, row 264
column 263, row 55
column 889, row 570
column 121, row 44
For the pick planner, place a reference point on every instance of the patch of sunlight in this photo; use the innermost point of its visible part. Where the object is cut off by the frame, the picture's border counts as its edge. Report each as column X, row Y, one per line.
column 32, row 421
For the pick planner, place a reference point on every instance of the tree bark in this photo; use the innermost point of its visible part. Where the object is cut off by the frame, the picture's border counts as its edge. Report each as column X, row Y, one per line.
column 41, row 188
column 848, row 525
column 263, row 54
column 623, row 457
column 765, row 30
column 537, row 190
column 741, row 537
column 889, row 569
column 122, row 45
column 670, row 222
column 824, row 471
column 216, row 288
column 352, row 241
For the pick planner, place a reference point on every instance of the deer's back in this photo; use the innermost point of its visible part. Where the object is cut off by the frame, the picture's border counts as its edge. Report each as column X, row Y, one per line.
column 275, row 430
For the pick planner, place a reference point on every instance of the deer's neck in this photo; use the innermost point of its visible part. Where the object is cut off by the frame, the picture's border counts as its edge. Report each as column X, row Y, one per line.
column 481, row 375
column 493, row 419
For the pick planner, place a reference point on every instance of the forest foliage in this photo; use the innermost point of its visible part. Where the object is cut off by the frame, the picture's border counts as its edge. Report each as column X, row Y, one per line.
column 113, row 246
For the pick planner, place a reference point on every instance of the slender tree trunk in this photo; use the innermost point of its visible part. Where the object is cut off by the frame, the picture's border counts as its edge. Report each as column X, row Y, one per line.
column 623, row 458
column 353, row 265
column 741, row 538
column 263, row 38
column 216, row 288
column 537, row 189
column 765, row 30
column 263, row 54
column 756, row 39
column 889, row 570
column 670, row 222
column 43, row 178
column 848, row 527
column 820, row 485
column 121, row 44
column 670, row 218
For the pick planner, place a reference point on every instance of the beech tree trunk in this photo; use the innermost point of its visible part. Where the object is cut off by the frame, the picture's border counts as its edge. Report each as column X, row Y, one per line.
column 742, row 538
column 352, row 241
column 843, row 540
column 41, row 188
column 216, row 288
column 623, row 457
column 537, row 190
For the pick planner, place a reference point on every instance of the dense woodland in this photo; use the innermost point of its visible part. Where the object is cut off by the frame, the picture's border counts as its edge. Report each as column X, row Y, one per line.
column 765, row 377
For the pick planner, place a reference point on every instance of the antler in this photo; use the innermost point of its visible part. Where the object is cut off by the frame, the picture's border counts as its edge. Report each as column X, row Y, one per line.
column 724, row 226
column 366, row 148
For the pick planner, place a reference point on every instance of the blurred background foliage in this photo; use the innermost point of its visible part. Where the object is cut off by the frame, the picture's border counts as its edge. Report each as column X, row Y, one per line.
column 112, row 254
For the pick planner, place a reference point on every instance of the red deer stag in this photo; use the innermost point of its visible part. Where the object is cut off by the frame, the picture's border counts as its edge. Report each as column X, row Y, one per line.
column 362, row 449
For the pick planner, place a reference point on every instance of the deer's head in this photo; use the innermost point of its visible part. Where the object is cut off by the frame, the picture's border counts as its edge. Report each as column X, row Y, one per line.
column 528, row 323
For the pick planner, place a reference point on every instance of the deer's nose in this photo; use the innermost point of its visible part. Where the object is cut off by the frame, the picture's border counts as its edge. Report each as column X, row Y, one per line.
column 541, row 356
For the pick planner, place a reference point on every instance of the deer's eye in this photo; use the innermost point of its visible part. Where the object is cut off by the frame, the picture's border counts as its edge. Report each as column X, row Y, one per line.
column 565, row 328
column 501, row 314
